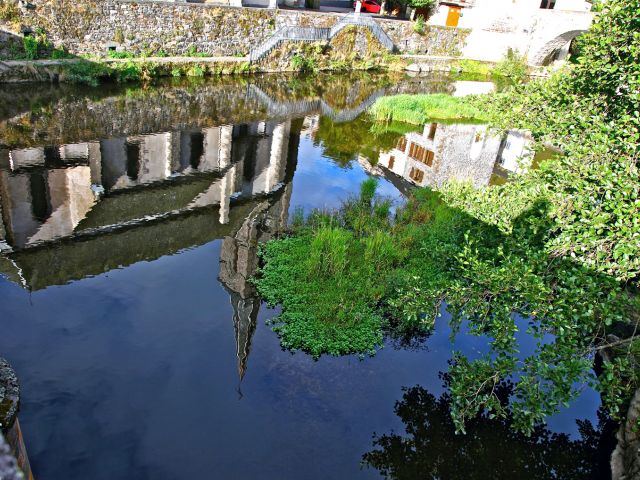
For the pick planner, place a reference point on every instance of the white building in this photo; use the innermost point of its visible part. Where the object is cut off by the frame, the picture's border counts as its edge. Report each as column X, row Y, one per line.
column 536, row 28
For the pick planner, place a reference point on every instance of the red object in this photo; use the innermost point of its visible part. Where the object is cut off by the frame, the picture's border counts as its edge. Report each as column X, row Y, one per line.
column 370, row 6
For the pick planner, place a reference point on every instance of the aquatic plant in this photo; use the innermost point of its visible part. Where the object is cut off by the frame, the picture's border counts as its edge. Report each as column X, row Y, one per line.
column 329, row 277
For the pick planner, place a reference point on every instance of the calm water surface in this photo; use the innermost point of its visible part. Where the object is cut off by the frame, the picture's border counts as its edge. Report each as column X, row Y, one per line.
column 130, row 225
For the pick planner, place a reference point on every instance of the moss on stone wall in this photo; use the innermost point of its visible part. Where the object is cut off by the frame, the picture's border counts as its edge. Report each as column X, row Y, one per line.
column 446, row 41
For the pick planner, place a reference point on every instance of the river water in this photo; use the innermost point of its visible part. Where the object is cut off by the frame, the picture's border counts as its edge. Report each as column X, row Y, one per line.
column 130, row 224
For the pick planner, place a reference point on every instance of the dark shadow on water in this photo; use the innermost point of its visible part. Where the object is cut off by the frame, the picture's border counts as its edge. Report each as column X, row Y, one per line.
column 490, row 450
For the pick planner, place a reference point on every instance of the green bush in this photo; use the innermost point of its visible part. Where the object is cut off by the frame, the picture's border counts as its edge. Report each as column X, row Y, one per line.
column 513, row 66
column 196, row 71
column 9, row 11
column 86, row 73
column 419, row 25
column 302, row 63
column 119, row 54
column 60, row 53
column 331, row 275
column 192, row 51
column 128, row 72
column 118, row 36
column 31, row 47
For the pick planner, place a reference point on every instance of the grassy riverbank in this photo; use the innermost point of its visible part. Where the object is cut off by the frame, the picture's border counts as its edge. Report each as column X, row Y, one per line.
column 557, row 246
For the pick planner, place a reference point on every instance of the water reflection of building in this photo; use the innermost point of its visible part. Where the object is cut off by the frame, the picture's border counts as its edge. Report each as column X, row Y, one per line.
column 56, row 192
column 463, row 152
column 74, row 211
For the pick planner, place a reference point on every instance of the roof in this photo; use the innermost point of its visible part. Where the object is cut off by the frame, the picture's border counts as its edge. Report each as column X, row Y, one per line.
column 458, row 3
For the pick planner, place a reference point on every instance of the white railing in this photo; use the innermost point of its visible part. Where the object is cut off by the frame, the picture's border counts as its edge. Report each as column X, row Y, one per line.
column 313, row 34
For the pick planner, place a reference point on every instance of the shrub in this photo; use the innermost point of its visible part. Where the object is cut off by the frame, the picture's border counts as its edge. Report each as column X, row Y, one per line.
column 60, row 53
column 119, row 54
column 192, row 51
column 513, row 66
column 196, row 71
column 9, row 11
column 118, row 36
column 302, row 63
column 128, row 72
column 31, row 47
column 419, row 25
column 328, row 253
column 86, row 73
column 368, row 190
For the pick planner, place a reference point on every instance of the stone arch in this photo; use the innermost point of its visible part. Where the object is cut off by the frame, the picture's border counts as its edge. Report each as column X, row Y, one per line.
column 542, row 55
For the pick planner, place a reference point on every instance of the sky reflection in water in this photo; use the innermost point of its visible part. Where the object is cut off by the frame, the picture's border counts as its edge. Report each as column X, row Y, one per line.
column 141, row 347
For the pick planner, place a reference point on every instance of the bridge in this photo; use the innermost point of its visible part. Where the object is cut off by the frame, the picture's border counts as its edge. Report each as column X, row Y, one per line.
column 553, row 30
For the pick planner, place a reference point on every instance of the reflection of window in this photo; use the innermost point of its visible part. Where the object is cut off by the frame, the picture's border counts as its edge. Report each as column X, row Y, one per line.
column 432, row 131
column 421, row 154
column 132, row 150
column 40, row 204
column 478, row 137
column 402, row 144
column 392, row 161
column 548, row 4
column 507, row 145
column 416, row 175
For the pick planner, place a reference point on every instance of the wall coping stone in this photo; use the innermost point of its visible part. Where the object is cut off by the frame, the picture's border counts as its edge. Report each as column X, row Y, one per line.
column 9, row 395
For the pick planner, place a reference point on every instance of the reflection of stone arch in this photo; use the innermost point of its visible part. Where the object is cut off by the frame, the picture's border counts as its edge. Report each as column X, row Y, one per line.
column 543, row 54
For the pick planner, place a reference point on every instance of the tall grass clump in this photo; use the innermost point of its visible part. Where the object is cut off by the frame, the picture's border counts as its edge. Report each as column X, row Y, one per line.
column 420, row 109
column 330, row 276
column 329, row 251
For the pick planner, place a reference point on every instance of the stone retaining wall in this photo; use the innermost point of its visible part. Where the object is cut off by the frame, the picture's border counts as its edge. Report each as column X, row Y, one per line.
column 95, row 26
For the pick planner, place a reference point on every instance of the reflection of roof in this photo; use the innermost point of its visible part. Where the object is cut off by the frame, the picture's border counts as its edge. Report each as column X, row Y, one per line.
column 76, row 258
column 146, row 200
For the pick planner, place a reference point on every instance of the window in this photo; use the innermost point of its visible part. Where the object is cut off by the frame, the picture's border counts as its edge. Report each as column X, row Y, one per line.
column 392, row 161
column 432, row 131
column 416, row 175
column 402, row 143
column 548, row 4
column 421, row 154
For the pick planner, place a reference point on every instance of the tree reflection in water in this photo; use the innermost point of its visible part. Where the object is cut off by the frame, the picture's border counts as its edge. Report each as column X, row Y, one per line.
column 490, row 449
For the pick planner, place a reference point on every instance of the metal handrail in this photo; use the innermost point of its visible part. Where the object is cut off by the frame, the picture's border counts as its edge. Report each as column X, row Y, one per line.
column 314, row 34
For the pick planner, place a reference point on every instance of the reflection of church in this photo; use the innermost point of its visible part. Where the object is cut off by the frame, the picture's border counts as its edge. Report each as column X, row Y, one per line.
column 79, row 210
